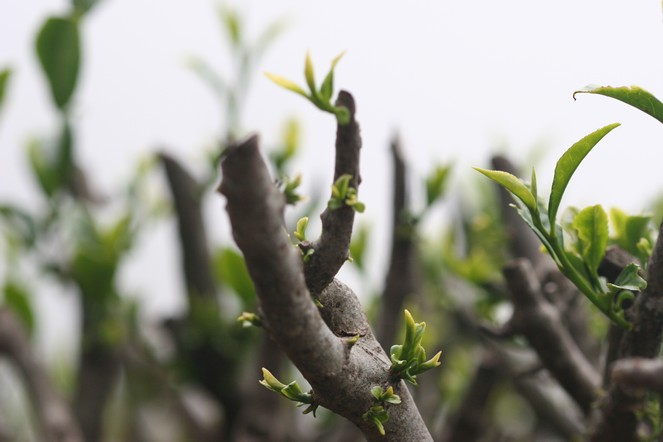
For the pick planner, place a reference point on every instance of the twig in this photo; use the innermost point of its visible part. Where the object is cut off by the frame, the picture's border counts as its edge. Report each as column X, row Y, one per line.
column 400, row 280
column 332, row 248
column 540, row 323
column 639, row 372
column 54, row 415
column 186, row 193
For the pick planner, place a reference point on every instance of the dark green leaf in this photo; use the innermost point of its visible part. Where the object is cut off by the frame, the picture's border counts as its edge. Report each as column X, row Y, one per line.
column 628, row 279
column 20, row 222
column 592, row 227
column 64, row 161
column 633, row 95
column 83, row 6
column 58, row 48
column 568, row 164
column 17, row 299
column 231, row 270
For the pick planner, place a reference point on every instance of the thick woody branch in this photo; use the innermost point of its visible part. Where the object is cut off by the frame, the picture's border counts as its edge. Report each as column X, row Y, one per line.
column 255, row 208
column 619, row 410
column 186, row 193
column 55, row 418
column 332, row 249
column 540, row 323
column 400, row 280
column 639, row 373
column 341, row 374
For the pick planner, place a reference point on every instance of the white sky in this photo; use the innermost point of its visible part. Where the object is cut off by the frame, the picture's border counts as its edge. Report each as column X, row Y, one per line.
column 457, row 79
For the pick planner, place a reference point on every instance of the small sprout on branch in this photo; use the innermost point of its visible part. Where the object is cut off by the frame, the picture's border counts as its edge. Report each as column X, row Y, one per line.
column 289, row 189
column 319, row 97
column 307, row 255
column 409, row 360
column 387, row 396
column 378, row 413
column 249, row 319
column 300, row 233
column 344, row 195
column 352, row 340
column 291, row 391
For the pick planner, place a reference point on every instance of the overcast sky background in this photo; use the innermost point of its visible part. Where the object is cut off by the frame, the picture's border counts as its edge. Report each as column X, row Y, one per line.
column 457, row 80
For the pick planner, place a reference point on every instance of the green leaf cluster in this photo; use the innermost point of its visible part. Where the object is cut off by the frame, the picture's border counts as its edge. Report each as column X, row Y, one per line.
column 320, row 97
column 290, row 391
column 378, row 413
column 588, row 230
column 633, row 233
column 409, row 359
column 289, row 188
column 344, row 195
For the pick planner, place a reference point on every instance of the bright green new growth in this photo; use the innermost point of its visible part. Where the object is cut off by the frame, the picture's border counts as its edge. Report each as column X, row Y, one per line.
column 289, row 189
column 300, row 233
column 378, row 413
column 409, row 360
column 589, row 231
column 291, row 391
column 344, row 195
column 249, row 319
column 319, row 97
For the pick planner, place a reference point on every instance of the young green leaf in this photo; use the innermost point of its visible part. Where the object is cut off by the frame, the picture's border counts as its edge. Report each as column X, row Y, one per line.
column 230, row 269
column 327, row 88
column 300, row 233
column 286, row 84
column 309, row 74
column 568, row 164
column 4, row 80
column 628, row 279
column 58, row 48
column 633, row 95
column 512, row 184
column 592, row 227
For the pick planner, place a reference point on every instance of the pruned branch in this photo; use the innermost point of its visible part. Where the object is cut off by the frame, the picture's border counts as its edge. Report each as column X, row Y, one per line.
column 540, row 323
column 400, row 280
column 340, row 373
column 639, row 373
column 53, row 414
column 186, row 193
column 333, row 246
